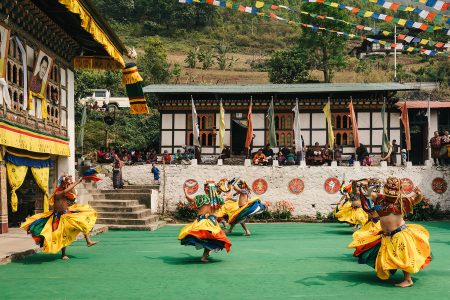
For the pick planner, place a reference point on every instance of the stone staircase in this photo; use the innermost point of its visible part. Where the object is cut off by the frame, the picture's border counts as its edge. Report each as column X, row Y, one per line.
column 127, row 208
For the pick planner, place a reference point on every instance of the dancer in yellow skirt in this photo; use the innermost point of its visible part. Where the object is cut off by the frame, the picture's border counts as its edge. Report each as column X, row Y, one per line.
column 349, row 207
column 56, row 229
column 205, row 232
column 397, row 245
column 246, row 208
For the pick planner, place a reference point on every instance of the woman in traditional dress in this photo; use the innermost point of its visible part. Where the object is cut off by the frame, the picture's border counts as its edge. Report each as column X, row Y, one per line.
column 349, row 208
column 397, row 246
column 205, row 232
column 56, row 229
column 117, row 171
column 247, row 208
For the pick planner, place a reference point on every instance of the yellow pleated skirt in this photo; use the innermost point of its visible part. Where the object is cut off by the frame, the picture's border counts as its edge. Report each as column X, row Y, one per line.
column 228, row 209
column 407, row 250
column 352, row 215
column 56, row 232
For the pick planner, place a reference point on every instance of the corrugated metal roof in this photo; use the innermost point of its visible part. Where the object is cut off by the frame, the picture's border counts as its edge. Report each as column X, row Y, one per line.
column 278, row 88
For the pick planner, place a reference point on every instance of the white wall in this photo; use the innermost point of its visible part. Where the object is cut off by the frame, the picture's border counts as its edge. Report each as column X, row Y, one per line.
column 66, row 165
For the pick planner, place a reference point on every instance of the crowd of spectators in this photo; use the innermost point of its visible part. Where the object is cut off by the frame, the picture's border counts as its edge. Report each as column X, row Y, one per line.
column 128, row 157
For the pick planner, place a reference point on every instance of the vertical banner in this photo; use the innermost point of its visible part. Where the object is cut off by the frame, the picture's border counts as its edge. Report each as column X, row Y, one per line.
column 354, row 125
column 297, row 129
column 133, row 84
column 4, row 47
column 221, row 126
column 405, row 122
column 271, row 119
column 327, row 112
column 195, row 129
column 249, row 137
column 385, row 139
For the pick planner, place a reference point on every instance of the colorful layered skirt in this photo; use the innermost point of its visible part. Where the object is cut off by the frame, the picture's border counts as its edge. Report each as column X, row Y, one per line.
column 54, row 231
column 226, row 210
column 204, row 233
column 406, row 248
column 251, row 208
column 351, row 215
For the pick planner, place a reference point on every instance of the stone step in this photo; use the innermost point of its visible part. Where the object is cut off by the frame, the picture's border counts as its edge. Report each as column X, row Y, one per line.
column 138, row 187
column 149, row 227
column 148, row 191
column 141, row 214
column 127, row 196
column 120, row 203
column 115, row 221
column 98, row 197
column 100, row 208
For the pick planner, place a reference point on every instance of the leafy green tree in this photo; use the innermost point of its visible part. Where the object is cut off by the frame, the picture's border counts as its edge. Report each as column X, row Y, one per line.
column 153, row 63
column 222, row 58
column 192, row 57
column 176, row 72
column 326, row 49
column 289, row 66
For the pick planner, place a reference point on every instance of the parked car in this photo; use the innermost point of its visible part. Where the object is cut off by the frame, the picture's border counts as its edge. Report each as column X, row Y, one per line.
column 103, row 96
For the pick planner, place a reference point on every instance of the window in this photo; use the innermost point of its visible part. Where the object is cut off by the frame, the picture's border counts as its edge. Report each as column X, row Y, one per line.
column 100, row 94
column 284, row 130
column 206, row 127
column 342, row 128
column 14, row 73
column 54, row 95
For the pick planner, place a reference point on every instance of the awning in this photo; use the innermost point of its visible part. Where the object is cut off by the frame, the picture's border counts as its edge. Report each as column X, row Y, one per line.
column 424, row 104
column 14, row 135
column 89, row 24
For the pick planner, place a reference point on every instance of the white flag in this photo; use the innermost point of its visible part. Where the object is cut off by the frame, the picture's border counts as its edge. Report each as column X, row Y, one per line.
column 195, row 130
column 297, row 129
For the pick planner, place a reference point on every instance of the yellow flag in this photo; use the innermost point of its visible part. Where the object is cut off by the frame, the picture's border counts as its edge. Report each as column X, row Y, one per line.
column 221, row 126
column 327, row 112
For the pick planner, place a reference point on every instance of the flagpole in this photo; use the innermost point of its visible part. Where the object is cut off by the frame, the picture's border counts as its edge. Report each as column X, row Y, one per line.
column 429, row 126
column 193, row 125
column 395, row 53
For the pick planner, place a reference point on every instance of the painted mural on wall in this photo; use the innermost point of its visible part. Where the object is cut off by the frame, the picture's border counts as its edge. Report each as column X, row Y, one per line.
column 259, row 186
column 332, row 185
column 407, row 185
column 191, row 185
column 296, row 186
column 439, row 185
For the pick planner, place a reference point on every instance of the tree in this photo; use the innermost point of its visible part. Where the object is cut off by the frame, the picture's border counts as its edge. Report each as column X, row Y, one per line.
column 153, row 63
column 326, row 49
column 223, row 60
column 289, row 66
column 176, row 72
column 192, row 57
column 206, row 58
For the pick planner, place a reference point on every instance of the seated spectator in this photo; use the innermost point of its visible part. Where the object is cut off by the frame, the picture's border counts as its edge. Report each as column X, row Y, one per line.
column 290, row 158
column 317, row 154
column 152, row 157
column 367, row 161
column 267, row 151
column 309, row 155
column 281, row 158
column 167, row 158
column 226, row 152
column 327, row 155
column 337, row 153
column 361, row 151
column 351, row 161
column 178, row 157
column 260, row 158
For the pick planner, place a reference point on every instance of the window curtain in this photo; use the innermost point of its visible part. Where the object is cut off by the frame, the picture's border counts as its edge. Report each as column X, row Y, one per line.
column 16, row 176
column 41, row 176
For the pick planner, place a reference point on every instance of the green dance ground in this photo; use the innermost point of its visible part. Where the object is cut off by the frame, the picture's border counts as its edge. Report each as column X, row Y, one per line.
column 279, row 261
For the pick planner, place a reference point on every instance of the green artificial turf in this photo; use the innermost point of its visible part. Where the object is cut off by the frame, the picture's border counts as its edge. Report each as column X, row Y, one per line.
column 279, row 261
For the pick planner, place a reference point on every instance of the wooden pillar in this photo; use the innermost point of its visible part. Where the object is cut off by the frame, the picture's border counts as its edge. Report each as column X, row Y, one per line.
column 3, row 199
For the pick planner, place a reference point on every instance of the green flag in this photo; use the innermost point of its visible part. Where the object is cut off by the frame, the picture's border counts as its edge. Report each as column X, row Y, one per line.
column 272, row 135
column 385, row 139
column 80, row 138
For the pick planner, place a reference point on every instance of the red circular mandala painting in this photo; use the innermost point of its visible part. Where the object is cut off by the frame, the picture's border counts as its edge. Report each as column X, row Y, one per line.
column 407, row 185
column 191, row 185
column 259, row 186
column 332, row 185
column 296, row 186
column 439, row 185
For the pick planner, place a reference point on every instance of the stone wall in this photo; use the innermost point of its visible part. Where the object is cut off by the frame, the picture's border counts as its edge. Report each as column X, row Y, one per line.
column 312, row 200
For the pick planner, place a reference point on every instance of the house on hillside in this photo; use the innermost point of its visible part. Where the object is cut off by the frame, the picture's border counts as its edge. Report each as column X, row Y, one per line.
column 174, row 104
column 41, row 43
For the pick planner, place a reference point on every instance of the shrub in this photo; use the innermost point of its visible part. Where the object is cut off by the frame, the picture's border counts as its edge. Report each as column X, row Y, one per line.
column 426, row 212
column 283, row 210
column 184, row 211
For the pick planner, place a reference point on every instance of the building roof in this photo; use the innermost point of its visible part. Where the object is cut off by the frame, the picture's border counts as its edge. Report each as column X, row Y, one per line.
column 423, row 104
column 82, row 21
column 278, row 88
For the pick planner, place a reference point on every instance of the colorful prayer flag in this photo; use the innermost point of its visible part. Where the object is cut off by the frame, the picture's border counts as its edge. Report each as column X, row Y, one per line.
column 327, row 112
column 221, row 126
column 249, row 137
column 405, row 122
column 271, row 119
column 354, row 125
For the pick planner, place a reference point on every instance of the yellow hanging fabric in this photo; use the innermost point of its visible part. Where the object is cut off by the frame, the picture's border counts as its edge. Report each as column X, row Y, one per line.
column 16, row 176
column 41, row 176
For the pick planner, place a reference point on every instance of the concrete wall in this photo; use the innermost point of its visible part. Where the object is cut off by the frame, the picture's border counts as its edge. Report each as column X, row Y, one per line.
column 313, row 199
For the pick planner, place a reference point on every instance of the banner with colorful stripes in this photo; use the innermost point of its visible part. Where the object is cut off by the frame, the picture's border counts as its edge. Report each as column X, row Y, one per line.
column 424, row 14
column 383, row 17
column 256, row 11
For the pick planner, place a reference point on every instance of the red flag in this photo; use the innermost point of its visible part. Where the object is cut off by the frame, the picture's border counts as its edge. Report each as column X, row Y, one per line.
column 405, row 122
column 354, row 125
column 248, row 139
